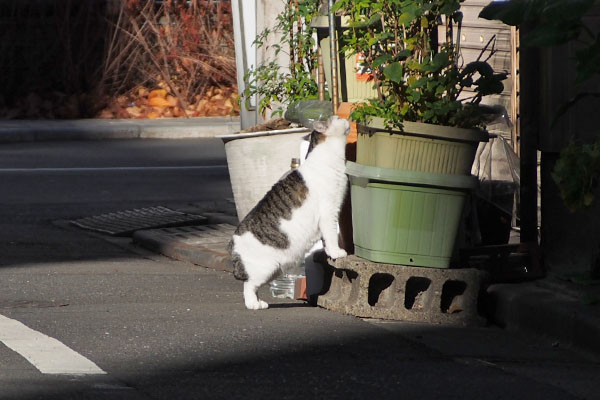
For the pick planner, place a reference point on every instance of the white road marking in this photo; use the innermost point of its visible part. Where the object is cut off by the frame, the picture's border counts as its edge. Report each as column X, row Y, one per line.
column 45, row 353
column 111, row 169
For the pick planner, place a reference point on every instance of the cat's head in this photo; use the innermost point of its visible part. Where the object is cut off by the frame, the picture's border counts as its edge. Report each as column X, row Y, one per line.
column 334, row 126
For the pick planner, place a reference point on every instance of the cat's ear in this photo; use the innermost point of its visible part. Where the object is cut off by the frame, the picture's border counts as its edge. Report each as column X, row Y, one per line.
column 321, row 126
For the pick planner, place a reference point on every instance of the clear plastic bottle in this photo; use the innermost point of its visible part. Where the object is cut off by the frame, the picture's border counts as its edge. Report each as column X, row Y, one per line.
column 282, row 287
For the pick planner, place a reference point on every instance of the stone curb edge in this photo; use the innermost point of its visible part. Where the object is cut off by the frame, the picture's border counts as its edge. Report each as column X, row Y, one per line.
column 531, row 308
column 198, row 255
column 13, row 131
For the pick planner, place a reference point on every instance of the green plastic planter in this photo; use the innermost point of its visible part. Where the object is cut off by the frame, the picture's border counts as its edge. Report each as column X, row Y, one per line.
column 419, row 147
column 406, row 217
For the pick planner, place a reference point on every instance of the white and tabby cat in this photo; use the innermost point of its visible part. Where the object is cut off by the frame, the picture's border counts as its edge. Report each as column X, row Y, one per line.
column 300, row 209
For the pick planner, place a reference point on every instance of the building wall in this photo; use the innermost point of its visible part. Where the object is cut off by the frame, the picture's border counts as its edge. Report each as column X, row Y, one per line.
column 475, row 34
column 570, row 241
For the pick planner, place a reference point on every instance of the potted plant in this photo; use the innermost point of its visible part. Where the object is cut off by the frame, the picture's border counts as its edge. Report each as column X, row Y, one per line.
column 418, row 137
column 279, row 86
column 421, row 105
column 256, row 160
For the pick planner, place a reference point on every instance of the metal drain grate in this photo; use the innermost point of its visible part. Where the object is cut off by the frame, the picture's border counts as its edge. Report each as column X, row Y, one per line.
column 125, row 223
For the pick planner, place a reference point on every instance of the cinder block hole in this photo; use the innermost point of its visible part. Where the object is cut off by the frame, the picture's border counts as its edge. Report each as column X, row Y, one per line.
column 451, row 293
column 415, row 292
column 378, row 285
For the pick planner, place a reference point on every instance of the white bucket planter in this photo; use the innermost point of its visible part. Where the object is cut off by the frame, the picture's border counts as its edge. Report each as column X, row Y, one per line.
column 257, row 160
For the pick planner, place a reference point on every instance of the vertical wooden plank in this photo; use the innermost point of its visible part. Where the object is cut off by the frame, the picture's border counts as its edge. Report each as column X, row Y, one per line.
column 514, row 94
column 529, row 76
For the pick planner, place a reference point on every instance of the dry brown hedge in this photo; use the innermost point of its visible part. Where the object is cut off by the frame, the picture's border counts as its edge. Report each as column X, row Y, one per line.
column 79, row 59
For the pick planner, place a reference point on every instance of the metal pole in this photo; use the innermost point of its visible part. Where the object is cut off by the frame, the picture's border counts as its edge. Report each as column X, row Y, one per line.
column 333, row 53
column 248, row 115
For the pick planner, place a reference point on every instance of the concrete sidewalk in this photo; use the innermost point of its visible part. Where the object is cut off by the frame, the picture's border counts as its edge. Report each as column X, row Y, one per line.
column 549, row 308
column 97, row 129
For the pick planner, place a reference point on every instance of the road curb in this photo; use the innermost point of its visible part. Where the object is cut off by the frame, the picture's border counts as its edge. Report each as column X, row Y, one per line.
column 204, row 245
column 541, row 311
column 12, row 131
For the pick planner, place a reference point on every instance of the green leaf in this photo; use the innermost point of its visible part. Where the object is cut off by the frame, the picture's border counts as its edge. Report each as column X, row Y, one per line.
column 338, row 5
column 379, row 61
column 561, row 10
column 513, row 12
column 417, row 83
column 375, row 19
column 404, row 109
column 407, row 17
column 414, row 65
column 403, row 55
column 394, row 72
column 551, row 35
column 416, row 96
column 441, row 60
column 450, row 7
column 588, row 61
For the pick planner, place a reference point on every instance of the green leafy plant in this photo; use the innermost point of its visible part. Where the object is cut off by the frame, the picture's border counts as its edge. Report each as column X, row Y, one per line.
column 283, row 86
column 577, row 174
column 554, row 23
column 417, row 77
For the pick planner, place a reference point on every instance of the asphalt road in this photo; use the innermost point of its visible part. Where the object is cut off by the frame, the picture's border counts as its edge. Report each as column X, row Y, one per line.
column 109, row 175
column 162, row 329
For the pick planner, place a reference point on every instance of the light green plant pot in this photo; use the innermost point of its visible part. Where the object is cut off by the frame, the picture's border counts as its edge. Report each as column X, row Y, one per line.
column 419, row 147
column 406, row 217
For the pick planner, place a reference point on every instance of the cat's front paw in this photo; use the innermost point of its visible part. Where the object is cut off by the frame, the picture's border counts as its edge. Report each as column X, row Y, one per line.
column 336, row 253
column 257, row 305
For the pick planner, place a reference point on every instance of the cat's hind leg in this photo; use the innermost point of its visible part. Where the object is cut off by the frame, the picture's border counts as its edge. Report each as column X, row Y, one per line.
column 259, row 273
column 251, row 298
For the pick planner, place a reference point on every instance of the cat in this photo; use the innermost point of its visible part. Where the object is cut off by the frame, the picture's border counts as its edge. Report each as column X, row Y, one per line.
column 301, row 208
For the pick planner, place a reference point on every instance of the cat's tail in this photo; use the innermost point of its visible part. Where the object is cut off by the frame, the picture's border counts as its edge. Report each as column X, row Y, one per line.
column 239, row 271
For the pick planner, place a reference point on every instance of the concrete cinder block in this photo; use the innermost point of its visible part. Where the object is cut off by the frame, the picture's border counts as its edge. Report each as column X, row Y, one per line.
column 366, row 289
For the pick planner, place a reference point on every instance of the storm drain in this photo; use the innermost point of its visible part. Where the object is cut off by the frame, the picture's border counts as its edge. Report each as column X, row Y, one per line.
column 125, row 223
column 366, row 289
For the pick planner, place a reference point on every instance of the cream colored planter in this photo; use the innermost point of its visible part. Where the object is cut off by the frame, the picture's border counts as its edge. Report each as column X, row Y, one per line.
column 354, row 86
column 257, row 160
column 419, row 147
